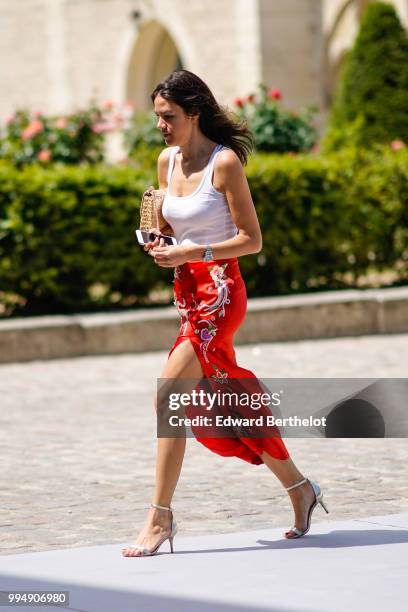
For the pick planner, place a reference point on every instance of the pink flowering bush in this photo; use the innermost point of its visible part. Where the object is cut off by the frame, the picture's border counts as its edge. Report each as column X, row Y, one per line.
column 27, row 137
column 397, row 145
column 276, row 129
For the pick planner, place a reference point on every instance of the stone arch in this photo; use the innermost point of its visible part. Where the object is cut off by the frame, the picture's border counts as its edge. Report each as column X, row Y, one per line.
column 333, row 74
column 154, row 54
column 337, row 40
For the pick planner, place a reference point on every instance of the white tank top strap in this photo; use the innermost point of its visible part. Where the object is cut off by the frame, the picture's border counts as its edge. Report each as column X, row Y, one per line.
column 210, row 167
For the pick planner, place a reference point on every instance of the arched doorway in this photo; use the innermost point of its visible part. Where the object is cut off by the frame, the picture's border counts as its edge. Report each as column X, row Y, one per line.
column 338, row 39
column 153, row 56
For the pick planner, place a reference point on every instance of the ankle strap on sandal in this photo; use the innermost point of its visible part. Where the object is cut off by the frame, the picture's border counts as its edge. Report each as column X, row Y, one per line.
column 297, row 484
column 161, row 507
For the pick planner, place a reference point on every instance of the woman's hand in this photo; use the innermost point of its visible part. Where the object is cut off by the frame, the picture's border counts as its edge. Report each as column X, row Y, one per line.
column 156, row 242
column 169, row 256
column 164, row 255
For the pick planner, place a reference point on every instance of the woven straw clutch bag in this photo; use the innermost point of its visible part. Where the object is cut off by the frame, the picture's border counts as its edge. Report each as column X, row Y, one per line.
column 151, row 211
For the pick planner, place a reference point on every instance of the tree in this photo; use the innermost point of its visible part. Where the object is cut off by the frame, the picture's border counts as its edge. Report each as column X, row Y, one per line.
column 371, row 101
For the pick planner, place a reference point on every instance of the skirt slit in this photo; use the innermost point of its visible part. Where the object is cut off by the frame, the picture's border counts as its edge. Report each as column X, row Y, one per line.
column 211, row 300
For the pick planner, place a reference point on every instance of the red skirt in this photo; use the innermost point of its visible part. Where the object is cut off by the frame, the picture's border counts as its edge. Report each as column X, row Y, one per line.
column 212, row 301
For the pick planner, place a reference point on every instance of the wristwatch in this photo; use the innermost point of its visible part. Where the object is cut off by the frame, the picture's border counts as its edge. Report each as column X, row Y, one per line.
column 208, row 254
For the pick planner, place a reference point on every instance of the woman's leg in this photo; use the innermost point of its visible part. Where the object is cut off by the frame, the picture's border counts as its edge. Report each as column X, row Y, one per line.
column 183, row 363
column 301, row 497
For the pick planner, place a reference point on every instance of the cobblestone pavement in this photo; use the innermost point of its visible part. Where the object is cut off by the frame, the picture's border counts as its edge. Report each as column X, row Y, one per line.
column 78, row 446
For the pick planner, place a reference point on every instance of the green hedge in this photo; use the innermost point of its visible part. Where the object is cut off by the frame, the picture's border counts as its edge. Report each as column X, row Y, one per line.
column 67, row 232
column 64, row 230
column 323, row 217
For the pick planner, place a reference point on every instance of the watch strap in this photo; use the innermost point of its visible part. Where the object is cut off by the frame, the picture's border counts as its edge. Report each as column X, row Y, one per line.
column 207, row 255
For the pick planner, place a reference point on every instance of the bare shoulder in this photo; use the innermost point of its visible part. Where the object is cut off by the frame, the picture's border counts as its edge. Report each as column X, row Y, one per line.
column 227, row 159
column 164, row 153
column 162, row 166
column 227, row 169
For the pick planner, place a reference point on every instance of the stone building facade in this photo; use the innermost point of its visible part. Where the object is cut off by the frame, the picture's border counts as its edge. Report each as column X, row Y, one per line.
column 56, row 54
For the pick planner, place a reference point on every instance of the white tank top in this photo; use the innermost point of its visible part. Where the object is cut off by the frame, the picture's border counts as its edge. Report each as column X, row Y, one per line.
column 203, row 217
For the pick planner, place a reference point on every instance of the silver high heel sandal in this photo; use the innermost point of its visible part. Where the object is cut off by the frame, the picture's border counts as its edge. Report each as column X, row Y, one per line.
column 318, row 500
column 145, row 551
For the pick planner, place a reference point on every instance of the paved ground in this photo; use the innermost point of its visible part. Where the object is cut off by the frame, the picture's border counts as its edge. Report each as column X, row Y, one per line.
column 349, row 565
column 77, row 441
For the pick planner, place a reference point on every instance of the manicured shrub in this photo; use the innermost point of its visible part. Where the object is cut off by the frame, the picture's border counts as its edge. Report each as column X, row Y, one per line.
column 325, row 218
column 67, row 240
column 371, row 101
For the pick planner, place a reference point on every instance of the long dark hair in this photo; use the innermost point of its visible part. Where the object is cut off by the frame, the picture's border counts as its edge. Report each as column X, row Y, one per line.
column 191, row 93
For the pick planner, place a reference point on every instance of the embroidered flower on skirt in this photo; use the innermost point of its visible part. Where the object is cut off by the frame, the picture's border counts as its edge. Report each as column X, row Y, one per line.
column 221, row 285
column 221, row 376
column 206, row 335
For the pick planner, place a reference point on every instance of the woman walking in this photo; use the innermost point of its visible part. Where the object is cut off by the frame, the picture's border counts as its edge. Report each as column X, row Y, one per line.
column 209, row 206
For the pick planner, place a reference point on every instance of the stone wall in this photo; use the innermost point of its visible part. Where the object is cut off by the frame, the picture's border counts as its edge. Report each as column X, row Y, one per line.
column 56, row 54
